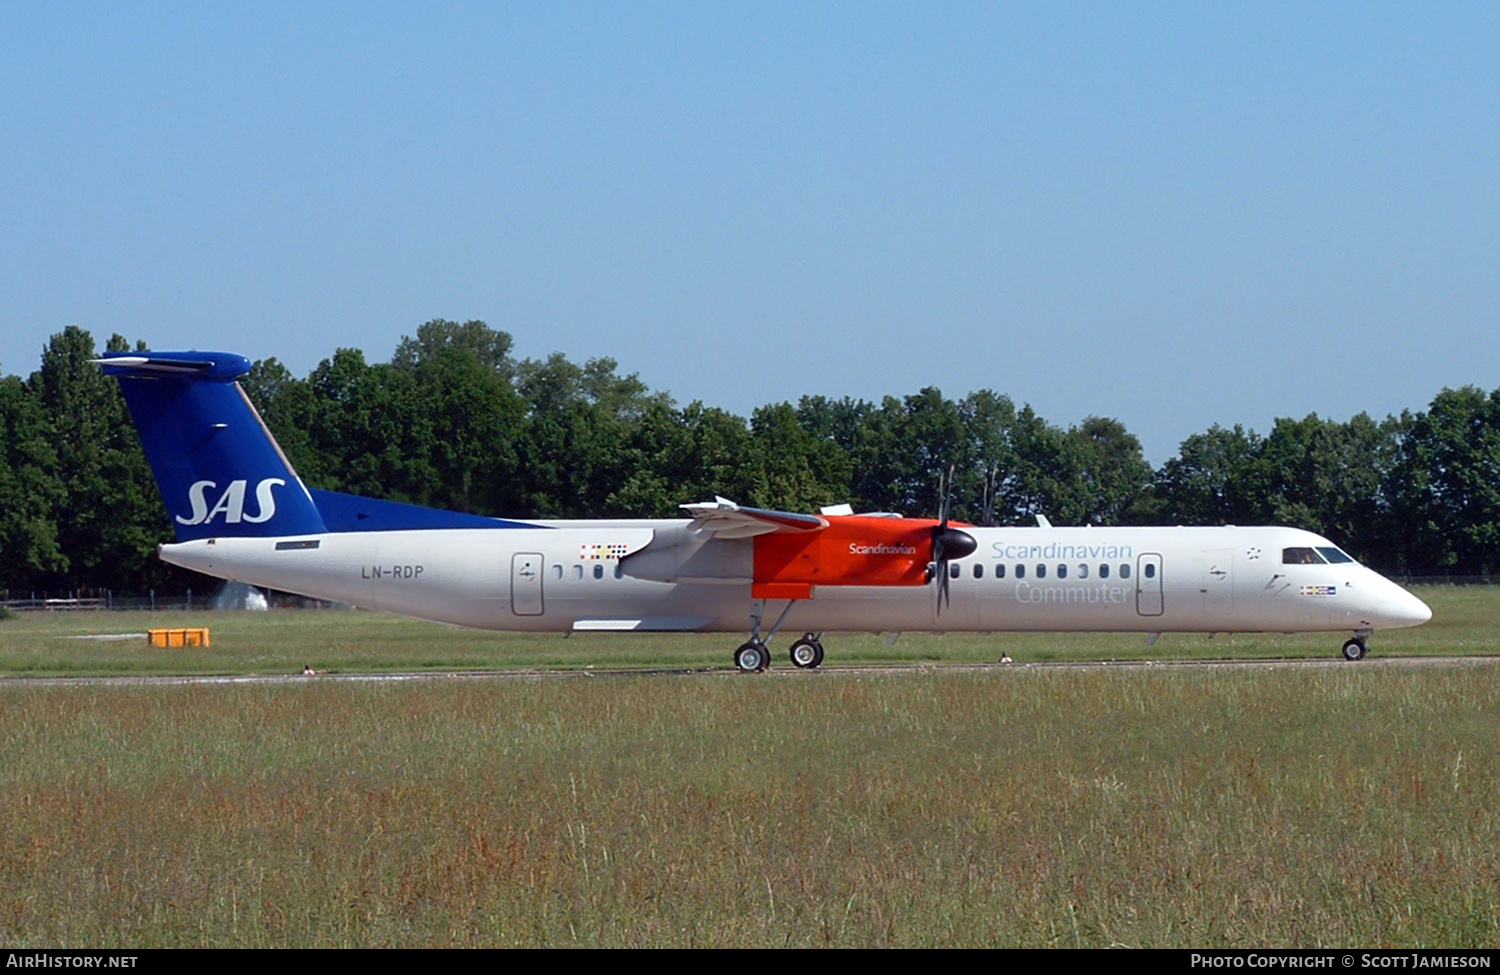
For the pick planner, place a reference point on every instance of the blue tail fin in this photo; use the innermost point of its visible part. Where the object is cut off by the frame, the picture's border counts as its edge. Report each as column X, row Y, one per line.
column 219, row 470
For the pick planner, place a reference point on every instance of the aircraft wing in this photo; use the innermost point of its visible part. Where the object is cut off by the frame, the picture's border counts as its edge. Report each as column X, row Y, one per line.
column 725, row 519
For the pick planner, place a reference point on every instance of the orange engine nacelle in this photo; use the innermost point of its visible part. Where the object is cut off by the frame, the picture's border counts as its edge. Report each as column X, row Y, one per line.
column 852, row 551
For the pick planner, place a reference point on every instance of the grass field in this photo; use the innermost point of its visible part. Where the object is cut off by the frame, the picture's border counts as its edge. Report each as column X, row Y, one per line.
column 1340, row 805
column 285, row 641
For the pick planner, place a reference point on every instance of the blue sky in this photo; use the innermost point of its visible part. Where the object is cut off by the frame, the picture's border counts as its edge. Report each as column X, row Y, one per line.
column 1172, row 214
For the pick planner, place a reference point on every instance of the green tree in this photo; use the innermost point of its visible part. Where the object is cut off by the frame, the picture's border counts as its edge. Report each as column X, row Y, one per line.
column 1454, row 450
column 900, row 452
column 1111, row 475
column 288, row 407
column 1217, row 478
column 489, row 347
column 679, row 456
column 790, row 468
column 577, row 446
column 988, row 418
column 1326, row 477
column 110, row 518
column 31, row 493
column 1039, row 479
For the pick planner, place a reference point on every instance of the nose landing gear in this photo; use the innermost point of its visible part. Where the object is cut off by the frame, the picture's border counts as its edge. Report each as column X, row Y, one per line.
column 1354, row 648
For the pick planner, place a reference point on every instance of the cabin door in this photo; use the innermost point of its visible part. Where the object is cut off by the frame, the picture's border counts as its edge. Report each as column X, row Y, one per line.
column 526, row 584
column 1148, row 598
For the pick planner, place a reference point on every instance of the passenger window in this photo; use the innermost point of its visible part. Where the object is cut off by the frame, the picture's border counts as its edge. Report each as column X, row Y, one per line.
column 1020, row 572
column 1150, row 570
column 954, row 570
column 578, row 572
column 1125, row 570
column 1041, row 571
column 1103, row 571
column 1062, row 571
column 978, row 571
column 1300, row 556
column 999, row 570
column 598, row 571
column 619, row 572
column 557, row 571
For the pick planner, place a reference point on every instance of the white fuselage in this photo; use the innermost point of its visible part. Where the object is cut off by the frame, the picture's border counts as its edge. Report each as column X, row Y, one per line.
column 664, row 575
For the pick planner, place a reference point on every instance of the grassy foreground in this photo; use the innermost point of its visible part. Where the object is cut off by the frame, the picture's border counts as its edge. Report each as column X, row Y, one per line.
column 1333, row 806
column 349, row 641
column 1347, row 805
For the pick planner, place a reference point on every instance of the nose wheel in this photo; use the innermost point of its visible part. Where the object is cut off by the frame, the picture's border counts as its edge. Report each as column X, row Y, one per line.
column 1354, row 649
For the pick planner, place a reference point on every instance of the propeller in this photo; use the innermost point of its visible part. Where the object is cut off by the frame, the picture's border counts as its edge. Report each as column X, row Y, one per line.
column 947, row 543
column 991, row 483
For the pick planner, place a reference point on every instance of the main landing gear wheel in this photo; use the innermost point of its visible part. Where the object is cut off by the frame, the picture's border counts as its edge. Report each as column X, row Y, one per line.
column 752, row 657
column 1354, row 649
column 807, row 652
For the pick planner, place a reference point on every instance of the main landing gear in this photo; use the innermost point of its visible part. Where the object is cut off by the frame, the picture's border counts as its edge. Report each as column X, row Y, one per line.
column 807, row 652
column 754, row 656
column 1354, row 648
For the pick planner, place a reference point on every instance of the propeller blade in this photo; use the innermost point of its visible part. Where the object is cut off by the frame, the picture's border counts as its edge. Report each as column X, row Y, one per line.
column 989, row 496
column 945, row 489
column 947, row 544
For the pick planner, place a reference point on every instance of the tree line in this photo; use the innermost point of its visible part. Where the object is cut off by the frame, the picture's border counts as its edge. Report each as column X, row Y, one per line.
column 454, row 420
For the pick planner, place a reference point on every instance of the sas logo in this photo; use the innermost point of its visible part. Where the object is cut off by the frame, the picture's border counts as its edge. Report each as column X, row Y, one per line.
column 231, row 503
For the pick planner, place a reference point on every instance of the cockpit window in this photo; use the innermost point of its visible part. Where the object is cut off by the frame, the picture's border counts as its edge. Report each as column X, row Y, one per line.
column 1300, row 556
column 1333, row 555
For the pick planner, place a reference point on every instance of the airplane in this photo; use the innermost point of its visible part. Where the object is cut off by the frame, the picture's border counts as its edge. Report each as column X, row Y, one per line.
column 241, row 513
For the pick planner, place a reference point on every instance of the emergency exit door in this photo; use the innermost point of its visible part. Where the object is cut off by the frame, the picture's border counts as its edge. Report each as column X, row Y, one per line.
column 1217, row 585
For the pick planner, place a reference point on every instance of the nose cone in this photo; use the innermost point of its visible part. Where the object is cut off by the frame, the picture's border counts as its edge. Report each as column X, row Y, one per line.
column 1386, row 606
column 1403, row 609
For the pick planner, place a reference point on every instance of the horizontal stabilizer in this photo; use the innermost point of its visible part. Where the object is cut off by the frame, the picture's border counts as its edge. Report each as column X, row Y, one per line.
column 221, row 366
